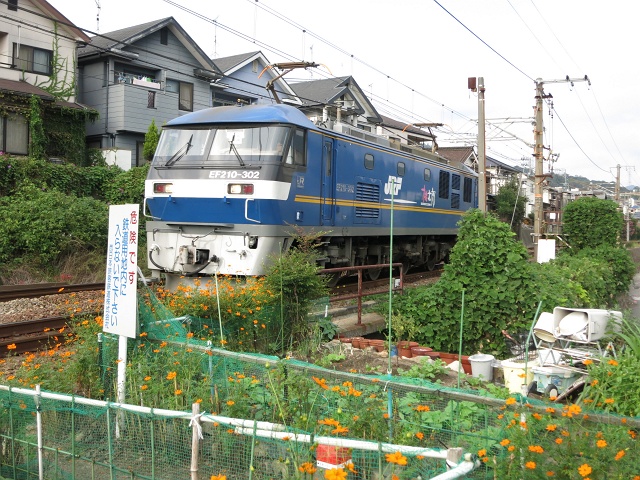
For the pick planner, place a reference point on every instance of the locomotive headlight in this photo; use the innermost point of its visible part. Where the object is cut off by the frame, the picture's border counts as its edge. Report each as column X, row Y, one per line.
column 240, row 188
column 163, row 188
column 253, row 242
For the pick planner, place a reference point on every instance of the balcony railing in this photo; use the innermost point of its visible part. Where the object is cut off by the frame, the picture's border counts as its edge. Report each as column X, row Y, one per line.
column 140, row 80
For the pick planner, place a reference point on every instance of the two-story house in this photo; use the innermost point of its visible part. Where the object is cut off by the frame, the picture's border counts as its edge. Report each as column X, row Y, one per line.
column 154, row 71
column 38, row 59
column 245, row 81
column 339, row 101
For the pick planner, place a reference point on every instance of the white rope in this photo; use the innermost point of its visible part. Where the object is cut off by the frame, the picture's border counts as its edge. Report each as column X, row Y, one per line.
column 195, row 422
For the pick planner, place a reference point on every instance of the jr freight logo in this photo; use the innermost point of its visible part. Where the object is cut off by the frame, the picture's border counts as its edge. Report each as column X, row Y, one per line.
column 393, row 184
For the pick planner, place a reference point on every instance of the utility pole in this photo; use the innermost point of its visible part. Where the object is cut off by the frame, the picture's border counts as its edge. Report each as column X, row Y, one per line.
column 482, row 149
column 538, row 153
column 617, row 190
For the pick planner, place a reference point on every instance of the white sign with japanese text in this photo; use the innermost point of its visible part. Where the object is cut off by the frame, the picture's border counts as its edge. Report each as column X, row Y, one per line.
column 120, row 293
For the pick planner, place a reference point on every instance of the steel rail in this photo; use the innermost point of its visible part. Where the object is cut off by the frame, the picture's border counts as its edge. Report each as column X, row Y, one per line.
column 29, row 336
column 13, row 292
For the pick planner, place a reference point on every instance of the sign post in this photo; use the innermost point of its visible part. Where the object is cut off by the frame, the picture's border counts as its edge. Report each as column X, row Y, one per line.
column 120, row 293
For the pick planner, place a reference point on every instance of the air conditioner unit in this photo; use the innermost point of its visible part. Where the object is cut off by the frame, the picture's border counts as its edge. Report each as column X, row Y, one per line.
column 584, row 324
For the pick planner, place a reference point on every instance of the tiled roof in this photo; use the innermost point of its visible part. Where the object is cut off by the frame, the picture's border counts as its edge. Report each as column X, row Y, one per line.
column 121, row 38
column 227, row 63
column 321, row 92
column 406, row 127
column 26, row 89
column 126, row 37
column 456, row 154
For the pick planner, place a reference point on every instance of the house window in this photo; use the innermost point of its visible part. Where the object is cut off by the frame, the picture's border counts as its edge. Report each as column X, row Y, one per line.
column 164, row 36
column 13, row 5
column 14, row 135
column 219, row 99
column 151, row 99
column 31, row 59
column 185, row 93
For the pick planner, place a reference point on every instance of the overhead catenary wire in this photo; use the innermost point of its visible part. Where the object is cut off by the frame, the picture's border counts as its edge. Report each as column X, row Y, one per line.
column 310, row 34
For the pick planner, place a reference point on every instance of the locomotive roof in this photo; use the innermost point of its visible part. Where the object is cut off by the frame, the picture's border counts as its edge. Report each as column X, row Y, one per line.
column 276, row 113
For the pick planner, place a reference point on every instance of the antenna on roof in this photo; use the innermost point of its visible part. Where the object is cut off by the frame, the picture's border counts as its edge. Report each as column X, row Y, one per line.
column 98, row 17
column 215, row 37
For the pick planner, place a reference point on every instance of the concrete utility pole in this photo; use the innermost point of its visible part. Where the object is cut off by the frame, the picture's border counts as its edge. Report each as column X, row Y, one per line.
column 482, row 149
column 617, row 190
column 538, row 152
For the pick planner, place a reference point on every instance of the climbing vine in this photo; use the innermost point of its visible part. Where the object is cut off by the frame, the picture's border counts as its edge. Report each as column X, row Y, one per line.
column 38, row 141
column 59, row 85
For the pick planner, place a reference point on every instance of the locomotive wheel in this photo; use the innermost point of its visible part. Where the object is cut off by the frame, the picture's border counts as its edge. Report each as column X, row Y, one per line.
column 374, row 273
column 431, row 263
column 333, row 279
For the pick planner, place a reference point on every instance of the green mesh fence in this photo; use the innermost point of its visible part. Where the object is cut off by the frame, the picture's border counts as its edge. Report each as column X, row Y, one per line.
column 270, row 417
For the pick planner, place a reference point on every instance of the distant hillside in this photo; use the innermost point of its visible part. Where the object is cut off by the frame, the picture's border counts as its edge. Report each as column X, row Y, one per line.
column 583, row 183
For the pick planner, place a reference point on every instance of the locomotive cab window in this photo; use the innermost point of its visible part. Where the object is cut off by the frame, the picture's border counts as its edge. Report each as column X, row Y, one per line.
column 368, row 161
column 296, row 154
column 427, row 174
column 401, row 169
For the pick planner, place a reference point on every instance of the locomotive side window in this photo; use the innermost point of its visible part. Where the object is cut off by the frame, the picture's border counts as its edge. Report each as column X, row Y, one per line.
column 368, row 161
column 427, row 174
column 329, row 152
column 468, row 187
column 401, row 169
column 298, row 147
column 443, row 185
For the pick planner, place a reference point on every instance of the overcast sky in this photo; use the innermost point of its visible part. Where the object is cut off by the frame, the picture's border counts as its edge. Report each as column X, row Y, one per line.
column 413, row 58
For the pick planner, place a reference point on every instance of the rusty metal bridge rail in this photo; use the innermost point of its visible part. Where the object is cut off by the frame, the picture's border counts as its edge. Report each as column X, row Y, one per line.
column 361, row 293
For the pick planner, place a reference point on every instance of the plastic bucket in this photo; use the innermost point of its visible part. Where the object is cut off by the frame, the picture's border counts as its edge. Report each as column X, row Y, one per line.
column 514, row 375
column 482, row 366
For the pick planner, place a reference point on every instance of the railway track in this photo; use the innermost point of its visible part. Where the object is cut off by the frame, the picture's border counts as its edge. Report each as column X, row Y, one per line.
column 13, row 292
column 29, row 336
column 32, row 335
column 372, row 286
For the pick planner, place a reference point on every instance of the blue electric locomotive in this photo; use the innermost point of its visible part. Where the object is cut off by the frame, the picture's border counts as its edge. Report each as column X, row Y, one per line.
column 229, row 187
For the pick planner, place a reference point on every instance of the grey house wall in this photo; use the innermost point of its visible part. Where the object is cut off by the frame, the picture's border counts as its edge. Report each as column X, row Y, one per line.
column 124, row 110
column 245, row 83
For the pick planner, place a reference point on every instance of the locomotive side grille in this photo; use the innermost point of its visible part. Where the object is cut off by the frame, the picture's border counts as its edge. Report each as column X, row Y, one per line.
column 366, row 192
column 362, row 212
column 443, row 184
column 468, row 185
column 455, row 200
column 455, row 182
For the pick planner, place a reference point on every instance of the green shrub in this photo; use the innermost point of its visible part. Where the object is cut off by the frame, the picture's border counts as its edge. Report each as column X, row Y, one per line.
column 151, row 139
column 45, row 225
column 66, row 178
column 605, row 272
column 127, row 187
column 590, row 222
column 493, row 271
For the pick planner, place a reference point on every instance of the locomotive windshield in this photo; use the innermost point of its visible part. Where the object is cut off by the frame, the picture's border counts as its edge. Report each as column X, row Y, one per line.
column 222, row 147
